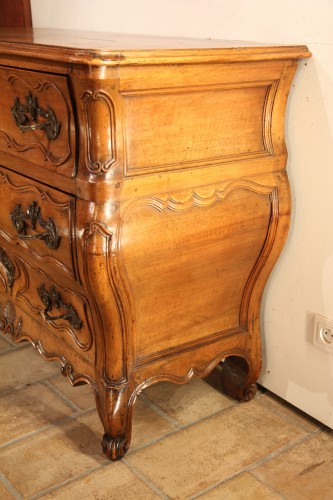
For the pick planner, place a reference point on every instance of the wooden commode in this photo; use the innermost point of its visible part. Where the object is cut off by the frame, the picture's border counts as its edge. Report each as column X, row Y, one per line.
column 143, row 204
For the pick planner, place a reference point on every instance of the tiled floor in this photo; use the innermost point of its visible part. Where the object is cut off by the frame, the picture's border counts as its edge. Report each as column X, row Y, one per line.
column 188, row 442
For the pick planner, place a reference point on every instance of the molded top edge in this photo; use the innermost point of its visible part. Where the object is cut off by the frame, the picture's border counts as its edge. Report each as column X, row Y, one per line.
column 108, row 49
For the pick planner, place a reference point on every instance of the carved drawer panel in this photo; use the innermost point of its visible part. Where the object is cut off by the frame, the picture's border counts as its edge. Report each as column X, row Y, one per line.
column 19, row 325
column 62, row 311
column 36, row 119
column 39, row 220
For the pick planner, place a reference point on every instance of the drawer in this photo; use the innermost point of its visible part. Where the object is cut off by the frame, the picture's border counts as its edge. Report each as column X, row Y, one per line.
column 36, row 119
column 62, row 311
column 18, row 323
column 38, row 219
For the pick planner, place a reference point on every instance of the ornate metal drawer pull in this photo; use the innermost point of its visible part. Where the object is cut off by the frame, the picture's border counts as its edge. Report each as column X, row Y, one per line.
column 52, row 298
column 8, row 265
column 19, row 218
column 30, row 111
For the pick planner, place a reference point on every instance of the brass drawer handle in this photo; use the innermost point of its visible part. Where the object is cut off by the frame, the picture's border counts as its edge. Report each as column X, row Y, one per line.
column 19, row 218
column 8, row 265
column 52, row 298
column 30, row 111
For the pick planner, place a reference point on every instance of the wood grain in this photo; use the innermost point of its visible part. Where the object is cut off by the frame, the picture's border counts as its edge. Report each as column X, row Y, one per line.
column 168, row 186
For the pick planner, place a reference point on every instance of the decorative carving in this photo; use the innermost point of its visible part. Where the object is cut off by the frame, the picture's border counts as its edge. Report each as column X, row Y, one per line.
column 8, row 266
column 65, row 215
column 100, row 131
column 114, row 448
column 23, row 113
column 187, row 202
column 97, row 248
column 47, row 154
column 66, row 368
column 18, row 217
column 16, row 332
column 52, row 298
column 7, row 320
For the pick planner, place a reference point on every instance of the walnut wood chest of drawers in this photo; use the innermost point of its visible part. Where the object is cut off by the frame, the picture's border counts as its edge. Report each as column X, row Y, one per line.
column 143, row 204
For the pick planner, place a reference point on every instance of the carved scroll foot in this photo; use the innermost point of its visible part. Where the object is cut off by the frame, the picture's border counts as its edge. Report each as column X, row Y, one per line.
column 114, row 448
column 237, row 380
column 115, row 408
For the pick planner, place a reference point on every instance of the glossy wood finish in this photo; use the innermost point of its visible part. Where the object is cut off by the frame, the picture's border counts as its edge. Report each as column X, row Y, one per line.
column 50, row 92
column 172, row 207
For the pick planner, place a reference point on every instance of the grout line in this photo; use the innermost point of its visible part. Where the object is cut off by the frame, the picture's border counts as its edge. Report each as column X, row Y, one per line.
column 180, row 426
column 64, row 483
column 256, row 464
column 289, row 418
column 145, row 445
column 267, row 485
column 10, row 390
column 62, row 396
column 145, row 480
column 160, row 411
column 10, row 487
column 175, row 431
column 56, row 424
column 15, row 348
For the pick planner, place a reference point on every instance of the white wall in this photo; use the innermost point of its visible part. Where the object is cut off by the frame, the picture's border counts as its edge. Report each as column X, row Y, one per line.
column 302, row 282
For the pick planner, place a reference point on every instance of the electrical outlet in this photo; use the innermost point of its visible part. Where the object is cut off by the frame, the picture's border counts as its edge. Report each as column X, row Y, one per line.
column 323, row 333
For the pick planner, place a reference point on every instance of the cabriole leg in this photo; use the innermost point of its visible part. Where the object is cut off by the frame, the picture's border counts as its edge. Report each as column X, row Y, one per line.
column 238, row 379
column 115, row 409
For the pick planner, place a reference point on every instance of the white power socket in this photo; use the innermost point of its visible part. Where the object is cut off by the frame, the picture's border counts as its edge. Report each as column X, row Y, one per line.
column 323, row 333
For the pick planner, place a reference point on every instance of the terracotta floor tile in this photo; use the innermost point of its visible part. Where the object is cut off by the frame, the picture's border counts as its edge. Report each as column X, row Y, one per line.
column 147, row 426
column 188, row 403
column 303, row 472
column 14, row 344
column 28, row 409
column 4, row 493
column 242, row 487
column 51, row 457
column 22, row 366
column 277, row 404
column 114, row 482
column 197, row 457
column 58, row 454
column 82, row 396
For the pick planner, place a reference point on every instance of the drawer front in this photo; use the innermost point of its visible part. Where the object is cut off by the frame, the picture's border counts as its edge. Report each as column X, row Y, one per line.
column 36, row 119
column 58, row 309
column 17, row 323
column 38, row 219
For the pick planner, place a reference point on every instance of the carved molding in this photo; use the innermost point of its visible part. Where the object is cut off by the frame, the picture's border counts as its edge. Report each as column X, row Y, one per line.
column 190, row 372
column 194, row 199
column 67, row 207
column 267, row 148
column 99, row 236
column 46, row 153
column 12, row 325
column 9, row 323
column 28, row 295
column 99, row 118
